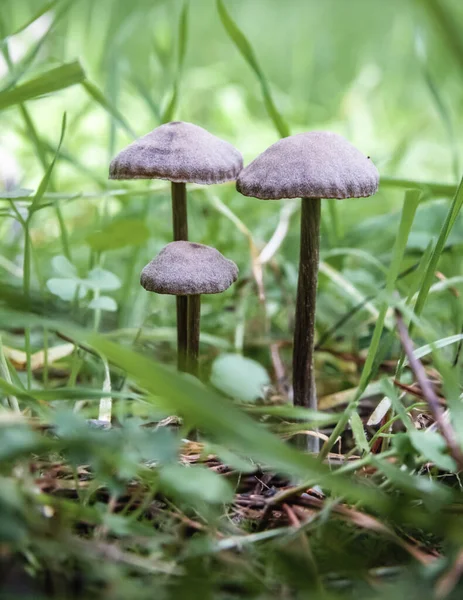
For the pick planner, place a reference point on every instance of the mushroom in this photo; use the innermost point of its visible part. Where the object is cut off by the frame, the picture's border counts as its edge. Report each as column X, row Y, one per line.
column 310, row 166
column 181, row 153
column 186, row 269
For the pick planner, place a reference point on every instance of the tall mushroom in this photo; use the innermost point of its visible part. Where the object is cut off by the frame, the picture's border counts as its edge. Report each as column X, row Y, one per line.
column 186, row 269
column 310, row 166
column 181, row 153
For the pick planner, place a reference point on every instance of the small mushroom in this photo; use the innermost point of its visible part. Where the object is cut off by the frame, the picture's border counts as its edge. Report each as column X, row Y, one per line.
column 181, row 153
column 310, row 166
column 187, row 269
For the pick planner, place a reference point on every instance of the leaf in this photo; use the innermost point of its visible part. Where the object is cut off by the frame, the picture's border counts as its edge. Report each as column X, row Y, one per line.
column 433, row 447
column 195, row 483
column 119, row 234
column 53, row 80
column 239, row 377
column 65, row 289
column 449, row 222
column 411, row 201
column 13, row 194
column 44, row 9
column 219, row 417
column 169, row 111
column 101, row 279
column 19, row 68
column 182, row 35
column 359, row 432
column 232, row 460
column 103, row 303
column 63, row 267
column 46, row 178
column 101, row 99
column 247, row 52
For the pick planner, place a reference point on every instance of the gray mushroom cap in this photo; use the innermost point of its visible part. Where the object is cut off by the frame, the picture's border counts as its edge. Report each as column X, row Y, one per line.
column 180, row 152
column 187, row 268
column 318, row 164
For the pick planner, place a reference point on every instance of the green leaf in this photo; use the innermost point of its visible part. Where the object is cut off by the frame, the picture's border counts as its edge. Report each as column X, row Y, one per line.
column 53, row 80
column 247, row 52
column 433, row 447
column 14, row 194
column 411, row 201
column 46, row 178
column 239, row 377
column 119, row 234
column 359, row 432
column 101, row 99
column 195, row 483
column 451, row 217
column 182, row 35
column 219, row 417
column 232, row 460
column 65, row 289
column 44, row 9
column 63, row 267
column 103, row 303
column 101, row 279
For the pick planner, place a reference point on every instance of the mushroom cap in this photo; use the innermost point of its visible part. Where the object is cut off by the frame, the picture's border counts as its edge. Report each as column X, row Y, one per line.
column 187, row 268
column 318, row 164
column 180, row 152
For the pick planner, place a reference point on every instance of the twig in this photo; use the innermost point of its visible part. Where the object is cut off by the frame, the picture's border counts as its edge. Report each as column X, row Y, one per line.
column 428, row 392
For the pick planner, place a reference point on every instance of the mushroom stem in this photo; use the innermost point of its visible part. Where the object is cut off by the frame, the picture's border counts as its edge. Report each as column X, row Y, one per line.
column 304, row 327
column 194, row 318
column 180, row 227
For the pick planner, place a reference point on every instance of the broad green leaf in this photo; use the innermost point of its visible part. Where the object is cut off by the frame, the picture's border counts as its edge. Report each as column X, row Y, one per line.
column 195, row 483
column 119, row 234
column 433, row 447
column 103, row 303
column 103, row 280
column 53, row 80
column 65, row 289
column 239, row 377
column 63, row 267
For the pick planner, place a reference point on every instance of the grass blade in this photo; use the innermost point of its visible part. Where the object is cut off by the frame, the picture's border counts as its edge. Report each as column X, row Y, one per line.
column 412, row 199
column 97, row 95
column 46, row 178
column 448, row 27
column 169, row 111
column 53, row 80
column 246, row 50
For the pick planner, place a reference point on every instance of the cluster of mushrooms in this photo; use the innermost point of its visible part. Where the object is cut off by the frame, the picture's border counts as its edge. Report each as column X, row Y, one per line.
column 309, row 166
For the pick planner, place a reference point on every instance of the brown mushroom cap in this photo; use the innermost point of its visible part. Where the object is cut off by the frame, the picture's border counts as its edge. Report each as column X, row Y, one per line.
column 318, row 164
column 180, row 152
column 187, row 268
